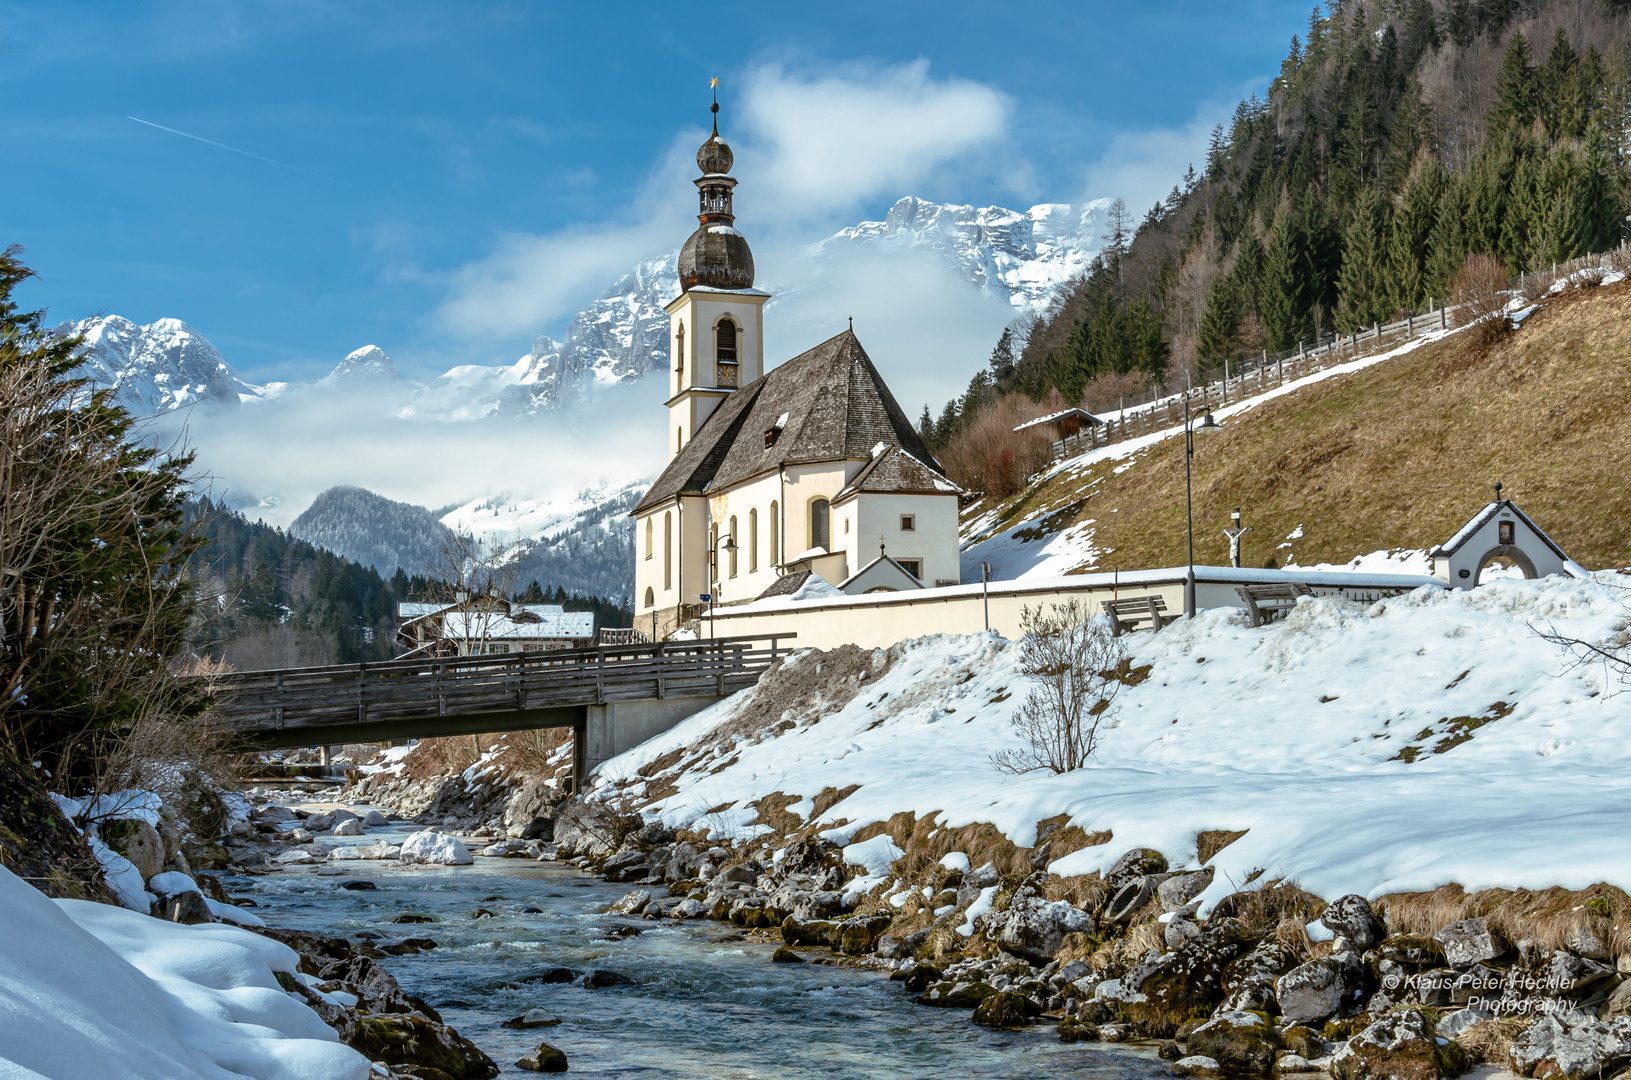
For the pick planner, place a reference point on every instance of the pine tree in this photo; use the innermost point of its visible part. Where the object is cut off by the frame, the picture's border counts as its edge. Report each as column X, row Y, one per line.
column 1003, row 373
column 1281, row 304
column 1555, row 90
column 1221, row 322
column 925, row 429
column 1514, row 104
column 1409, row 242
column 1362, row 284
column 1217, row 150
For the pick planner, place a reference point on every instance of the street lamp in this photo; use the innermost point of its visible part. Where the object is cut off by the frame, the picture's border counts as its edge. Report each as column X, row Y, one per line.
column 728, row 545
column 1204, row 425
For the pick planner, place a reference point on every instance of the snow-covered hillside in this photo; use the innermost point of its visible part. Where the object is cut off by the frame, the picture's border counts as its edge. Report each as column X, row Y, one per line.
column 1425, row 739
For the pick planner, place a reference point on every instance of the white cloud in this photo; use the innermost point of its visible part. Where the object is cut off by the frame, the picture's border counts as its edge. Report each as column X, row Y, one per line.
column 815, row 147
column 279, row 455
column 826, row 143
column 1142, row 166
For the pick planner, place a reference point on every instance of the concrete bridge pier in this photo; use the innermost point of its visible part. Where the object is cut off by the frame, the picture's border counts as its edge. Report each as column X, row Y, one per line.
column 616, row 727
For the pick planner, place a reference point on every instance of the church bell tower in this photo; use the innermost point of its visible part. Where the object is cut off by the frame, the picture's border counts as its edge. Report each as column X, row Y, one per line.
column 716, row 324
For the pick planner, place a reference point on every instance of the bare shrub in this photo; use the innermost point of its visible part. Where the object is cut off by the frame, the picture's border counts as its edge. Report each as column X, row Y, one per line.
column 988, row 455
column 1072, row 658
column 1479, row 293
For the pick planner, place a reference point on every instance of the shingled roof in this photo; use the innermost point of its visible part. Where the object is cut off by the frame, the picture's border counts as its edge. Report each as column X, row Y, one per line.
column 836, row 407
column 896, row 472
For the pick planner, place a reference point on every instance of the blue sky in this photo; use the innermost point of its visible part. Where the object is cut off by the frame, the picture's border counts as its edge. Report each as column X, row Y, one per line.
column 446, row 180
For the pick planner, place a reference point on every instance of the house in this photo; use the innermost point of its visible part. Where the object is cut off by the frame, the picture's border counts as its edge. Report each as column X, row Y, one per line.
column 1063, row 424
column 486, row 625
column 809, row 467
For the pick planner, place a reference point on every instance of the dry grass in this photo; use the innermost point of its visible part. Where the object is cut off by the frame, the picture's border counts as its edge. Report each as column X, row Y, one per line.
column 1544, row 916
column 1212, row 841
column 1491, row 1041
column 1396, row 456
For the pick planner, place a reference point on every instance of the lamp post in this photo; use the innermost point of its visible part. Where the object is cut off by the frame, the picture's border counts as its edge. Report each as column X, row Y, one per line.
column 729, row 544
column 1205, row 424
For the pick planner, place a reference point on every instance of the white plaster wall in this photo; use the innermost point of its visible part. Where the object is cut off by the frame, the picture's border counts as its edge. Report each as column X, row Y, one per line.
column 757, row 494
column 933, row 542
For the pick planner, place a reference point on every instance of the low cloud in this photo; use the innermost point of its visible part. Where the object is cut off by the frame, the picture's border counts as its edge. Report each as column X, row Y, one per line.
column 1142, row 166
column 273, row 458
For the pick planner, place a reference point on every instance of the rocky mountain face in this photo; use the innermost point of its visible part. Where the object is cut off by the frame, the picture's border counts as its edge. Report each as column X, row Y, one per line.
column 372, row 530
column 157, row 368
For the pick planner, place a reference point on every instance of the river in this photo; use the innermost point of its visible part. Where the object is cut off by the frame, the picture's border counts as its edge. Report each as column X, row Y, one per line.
column 704, row 1003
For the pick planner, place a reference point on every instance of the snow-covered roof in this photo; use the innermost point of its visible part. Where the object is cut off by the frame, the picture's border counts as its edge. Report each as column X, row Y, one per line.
column 1063, row 414
column 415, row 609
column 475, row 625
column 1480, row 519
column 884, row 569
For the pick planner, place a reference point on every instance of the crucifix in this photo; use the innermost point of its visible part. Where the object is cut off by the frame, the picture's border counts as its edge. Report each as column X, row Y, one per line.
column 1234, row 532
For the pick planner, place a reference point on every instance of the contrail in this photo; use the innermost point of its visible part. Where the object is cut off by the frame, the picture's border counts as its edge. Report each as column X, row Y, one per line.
column 245, row 153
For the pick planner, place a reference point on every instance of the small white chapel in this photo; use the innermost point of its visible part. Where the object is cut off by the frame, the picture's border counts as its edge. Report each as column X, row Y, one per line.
column 809, row 470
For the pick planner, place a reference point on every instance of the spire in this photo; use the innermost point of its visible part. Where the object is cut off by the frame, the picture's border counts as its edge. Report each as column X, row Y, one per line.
column 716, row 255
column 713, row 84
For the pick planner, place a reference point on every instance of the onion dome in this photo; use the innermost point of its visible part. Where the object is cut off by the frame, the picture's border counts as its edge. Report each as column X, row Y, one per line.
column 716, row 255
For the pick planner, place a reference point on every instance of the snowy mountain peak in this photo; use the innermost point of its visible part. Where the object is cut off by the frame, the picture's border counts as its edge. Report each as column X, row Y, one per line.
column 157, row 368
column 1024, row 255
column 364, row 365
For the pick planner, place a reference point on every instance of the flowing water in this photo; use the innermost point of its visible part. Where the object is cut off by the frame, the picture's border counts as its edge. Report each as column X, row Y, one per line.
column 704, row 1003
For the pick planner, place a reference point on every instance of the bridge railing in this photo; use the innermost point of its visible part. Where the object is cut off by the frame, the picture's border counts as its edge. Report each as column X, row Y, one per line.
column 504, row 682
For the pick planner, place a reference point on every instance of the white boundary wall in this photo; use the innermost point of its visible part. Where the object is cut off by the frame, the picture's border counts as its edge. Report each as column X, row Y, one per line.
column 879, row 620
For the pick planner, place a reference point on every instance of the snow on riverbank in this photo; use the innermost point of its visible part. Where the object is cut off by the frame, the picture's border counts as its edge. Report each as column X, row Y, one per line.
column 1302, row 733
column 94, row 992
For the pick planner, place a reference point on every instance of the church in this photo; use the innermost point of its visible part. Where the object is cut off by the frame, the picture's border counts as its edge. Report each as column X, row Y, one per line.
column 808, row 470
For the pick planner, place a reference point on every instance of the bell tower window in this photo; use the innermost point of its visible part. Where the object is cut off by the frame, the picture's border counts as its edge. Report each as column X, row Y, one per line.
column 725, row 352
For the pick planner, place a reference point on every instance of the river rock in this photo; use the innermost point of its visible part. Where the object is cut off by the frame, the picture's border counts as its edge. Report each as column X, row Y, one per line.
column 1319, row 989
column 349, row 827
column 138, row 842
column 599, row 978
column 1006, row 1009
column 632, row 903
column 320, row 822
column 379, row 849
column 1033, row 927
column 532, row 1018
column 1352, row 917
column 1177, row 891
column 688, row 909
column 1400, row 1046
column 1073, row 1030
column 1196, row 1065
column 374, row 819
column 1239, row 1042
column 377, row 989
column 435, row 848
column 1471, row 941
column 413, row 1040
column 796, row 931
column 274, row 813
column 1248, row 983
column 296, row 857
column 960, row 995
column 1288, row 1063
column 1137, row 863
column 1163, row 993
column 504, row 848
column 546, row 1058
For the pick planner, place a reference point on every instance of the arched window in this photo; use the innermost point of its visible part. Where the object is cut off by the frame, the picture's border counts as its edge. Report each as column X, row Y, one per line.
column 650, row 529
column 651, row 597
column 668, row 551
column 775, row 534
column 753, row 540
column 821, row 524
column 725, row 342
column 734, row 548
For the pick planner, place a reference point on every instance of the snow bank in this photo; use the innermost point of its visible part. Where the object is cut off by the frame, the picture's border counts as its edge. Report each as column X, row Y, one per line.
column 93, row 992
column 1301, row 732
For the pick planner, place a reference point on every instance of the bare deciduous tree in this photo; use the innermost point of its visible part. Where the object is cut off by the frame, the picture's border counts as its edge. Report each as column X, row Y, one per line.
column 1075, row 663
column 479, row 573
column 1479, row 293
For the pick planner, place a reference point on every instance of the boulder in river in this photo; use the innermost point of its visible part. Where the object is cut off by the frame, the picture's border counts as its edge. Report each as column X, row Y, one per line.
column 349, row 827
column 411, row 1039
column 532, row 1018
column 436, row 848
column 546, row 1058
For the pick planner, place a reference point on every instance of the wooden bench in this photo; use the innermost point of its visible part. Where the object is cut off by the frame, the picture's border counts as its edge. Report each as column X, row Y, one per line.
column 1126, row 613
column 1265, row 602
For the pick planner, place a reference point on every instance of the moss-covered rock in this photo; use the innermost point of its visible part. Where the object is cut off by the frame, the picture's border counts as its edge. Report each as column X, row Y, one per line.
column 1399, row 1046
column 545, row 1058
column 409, row 1039
column 796, row 931
column 784, row 955
column 1157, row 998
column 949, row 995
column 1240, row 1042
column 1007, row 1009
column 1074, row 1030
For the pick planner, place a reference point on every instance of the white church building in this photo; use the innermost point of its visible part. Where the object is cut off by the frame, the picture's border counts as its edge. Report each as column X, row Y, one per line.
column 811, row 468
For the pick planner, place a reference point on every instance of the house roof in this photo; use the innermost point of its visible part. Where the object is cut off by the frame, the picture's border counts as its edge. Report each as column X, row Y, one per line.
column 894, row 471
column 1480, row 519
column 786, row 585
column 837, row 408
column 886, row 564
column 463, row 625
column 1063, row 414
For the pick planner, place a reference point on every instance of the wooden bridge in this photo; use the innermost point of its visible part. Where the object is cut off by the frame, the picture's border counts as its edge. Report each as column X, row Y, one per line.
column 614, row 696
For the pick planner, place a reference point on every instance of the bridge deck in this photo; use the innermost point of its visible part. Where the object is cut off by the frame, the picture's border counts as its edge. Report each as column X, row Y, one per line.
column 396, row 698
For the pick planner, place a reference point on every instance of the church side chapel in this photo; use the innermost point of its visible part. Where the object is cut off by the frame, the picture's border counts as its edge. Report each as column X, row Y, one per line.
column 810, row 470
